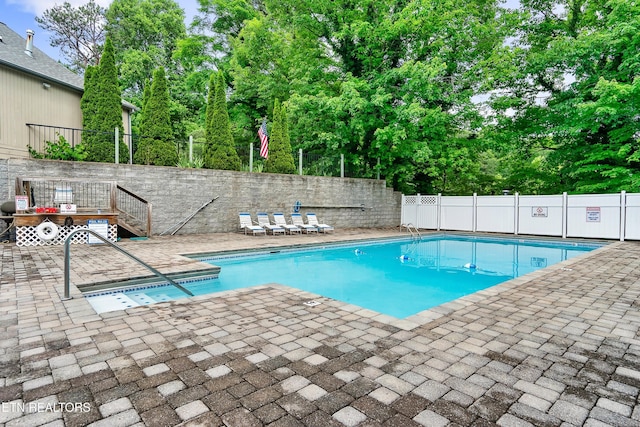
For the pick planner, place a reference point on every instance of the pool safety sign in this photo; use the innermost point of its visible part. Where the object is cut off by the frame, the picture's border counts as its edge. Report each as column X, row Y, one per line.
column 593, row 214
column 539, row 211
column 68, row 208
column 100, row 226
column 22, row 203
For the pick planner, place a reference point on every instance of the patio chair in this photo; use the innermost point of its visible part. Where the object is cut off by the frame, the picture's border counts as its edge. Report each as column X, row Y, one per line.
column 246, row 224
column 264, row 222
column 312, row 219
column 278, row 218
column 296, row 219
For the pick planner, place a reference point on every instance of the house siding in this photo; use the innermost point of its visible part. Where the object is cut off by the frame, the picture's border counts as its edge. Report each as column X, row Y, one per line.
column 23, row 99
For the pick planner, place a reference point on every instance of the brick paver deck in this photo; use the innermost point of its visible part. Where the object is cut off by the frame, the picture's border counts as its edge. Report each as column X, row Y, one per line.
column 558, row 347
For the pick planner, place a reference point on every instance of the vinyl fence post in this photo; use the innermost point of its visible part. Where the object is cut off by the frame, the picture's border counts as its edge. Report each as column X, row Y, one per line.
column 190, row 148
column 474, row 213
column 251, row 157
column 516, row 213
column 439, row 210
column 565, row 208
column 117, row 140
column 341, row 165
column 623, row 214
column 378, row 167
column 300, row 161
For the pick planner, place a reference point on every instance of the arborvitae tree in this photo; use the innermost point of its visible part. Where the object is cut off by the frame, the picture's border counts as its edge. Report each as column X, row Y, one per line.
column 211, row 99
column 280, row 159
column 220, row 151
column 107, row 110
column 286, row 141
column 88, row 103
column 156, row 146
column 140, row 118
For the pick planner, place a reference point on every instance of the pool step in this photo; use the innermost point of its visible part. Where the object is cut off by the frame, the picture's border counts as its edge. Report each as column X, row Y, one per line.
column 111, row 302
column 203, row 273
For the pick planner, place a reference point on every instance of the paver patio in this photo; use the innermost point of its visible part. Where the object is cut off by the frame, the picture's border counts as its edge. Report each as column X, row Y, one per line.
column 558, row 347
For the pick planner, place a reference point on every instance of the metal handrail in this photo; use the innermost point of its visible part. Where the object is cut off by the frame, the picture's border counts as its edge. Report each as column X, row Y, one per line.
column 67, row 262
column 409, row 226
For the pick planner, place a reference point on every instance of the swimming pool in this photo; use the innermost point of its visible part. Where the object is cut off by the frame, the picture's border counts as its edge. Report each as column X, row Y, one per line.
column 394, row 277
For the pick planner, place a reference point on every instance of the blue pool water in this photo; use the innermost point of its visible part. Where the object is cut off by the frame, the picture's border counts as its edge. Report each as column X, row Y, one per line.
column 398, row 278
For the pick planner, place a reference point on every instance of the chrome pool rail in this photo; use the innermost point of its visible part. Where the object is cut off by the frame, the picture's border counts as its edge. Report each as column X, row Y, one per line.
column 67, row 262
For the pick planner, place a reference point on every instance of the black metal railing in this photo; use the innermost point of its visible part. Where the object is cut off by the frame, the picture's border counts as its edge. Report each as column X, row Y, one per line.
column 43, row 137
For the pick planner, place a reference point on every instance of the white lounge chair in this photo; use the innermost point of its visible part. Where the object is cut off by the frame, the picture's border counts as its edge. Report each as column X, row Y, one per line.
column 246, row 224
column 296, row 219
column 263, row 221
column 278, row 218
column 312, row 219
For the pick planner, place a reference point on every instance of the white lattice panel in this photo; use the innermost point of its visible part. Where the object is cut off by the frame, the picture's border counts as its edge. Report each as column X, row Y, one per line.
column 428, row 200
column 410, row 200
column 27, row 236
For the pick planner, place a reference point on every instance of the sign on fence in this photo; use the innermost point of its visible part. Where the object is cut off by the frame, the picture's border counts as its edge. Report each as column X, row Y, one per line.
column 593, row 214
column 539, row 211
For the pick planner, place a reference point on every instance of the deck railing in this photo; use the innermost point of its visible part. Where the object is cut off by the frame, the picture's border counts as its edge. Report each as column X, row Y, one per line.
column 86, row 195
column 133, row 210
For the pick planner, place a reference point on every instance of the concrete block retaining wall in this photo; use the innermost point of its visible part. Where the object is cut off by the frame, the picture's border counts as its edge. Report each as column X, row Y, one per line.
column 176, row 193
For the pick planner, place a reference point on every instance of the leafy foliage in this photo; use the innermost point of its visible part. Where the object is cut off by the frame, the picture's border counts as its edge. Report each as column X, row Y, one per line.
column 197, row 162
column 577, row 87
column 59, row 150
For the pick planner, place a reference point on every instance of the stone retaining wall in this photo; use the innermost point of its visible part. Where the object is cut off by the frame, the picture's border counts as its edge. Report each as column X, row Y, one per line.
column 176, row 193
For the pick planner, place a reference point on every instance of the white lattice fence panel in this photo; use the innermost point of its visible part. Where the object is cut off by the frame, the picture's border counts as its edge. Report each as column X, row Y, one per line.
column 428, row 200
column 27, row 235
column 410, row 200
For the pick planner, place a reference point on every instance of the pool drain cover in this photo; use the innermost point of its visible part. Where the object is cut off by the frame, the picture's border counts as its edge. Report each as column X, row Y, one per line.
column 311, row 303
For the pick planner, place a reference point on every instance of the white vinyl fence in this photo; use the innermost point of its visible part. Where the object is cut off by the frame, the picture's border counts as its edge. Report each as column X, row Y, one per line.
column 602, row 216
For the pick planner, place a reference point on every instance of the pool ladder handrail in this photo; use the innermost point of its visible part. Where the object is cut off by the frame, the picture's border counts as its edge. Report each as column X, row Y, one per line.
column 411, row 228
column 67, row 262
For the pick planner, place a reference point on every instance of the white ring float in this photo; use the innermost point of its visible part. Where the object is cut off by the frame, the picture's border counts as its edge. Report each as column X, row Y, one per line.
column 47, row 231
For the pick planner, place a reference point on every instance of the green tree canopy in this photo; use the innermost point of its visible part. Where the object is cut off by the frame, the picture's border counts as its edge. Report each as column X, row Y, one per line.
column 572, row 95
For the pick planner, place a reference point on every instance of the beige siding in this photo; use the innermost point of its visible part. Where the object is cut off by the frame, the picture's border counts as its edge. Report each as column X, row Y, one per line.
column 126, row 138
column 23, row 99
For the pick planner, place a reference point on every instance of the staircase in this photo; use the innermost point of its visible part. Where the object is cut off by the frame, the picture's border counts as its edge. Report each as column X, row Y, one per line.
column 134, row 212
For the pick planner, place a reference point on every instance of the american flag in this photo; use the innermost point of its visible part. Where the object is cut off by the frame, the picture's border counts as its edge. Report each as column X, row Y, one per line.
column 264, row 139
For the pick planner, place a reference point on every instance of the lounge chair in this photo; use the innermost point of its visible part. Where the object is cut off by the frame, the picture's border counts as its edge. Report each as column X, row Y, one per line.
column 246, row 224
column 278, row 218
column 263, row 221
column 312, row 219
column 296, row 219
